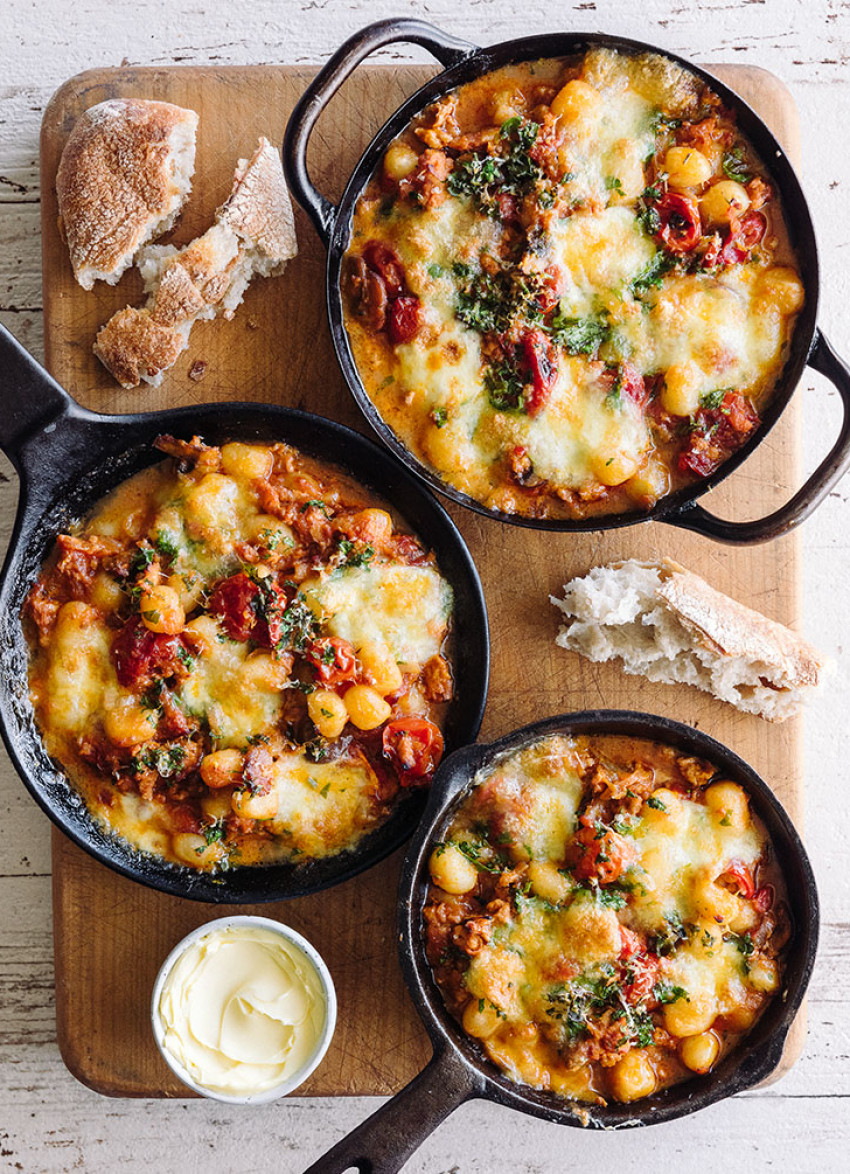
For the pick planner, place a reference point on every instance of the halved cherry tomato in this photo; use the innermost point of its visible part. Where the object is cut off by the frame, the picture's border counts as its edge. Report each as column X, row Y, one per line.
column 235, row 602
column 334, row 660
column 764, row 897
column 630, row 942
column 743, row 239
column 632, row 385
column 269, row 628
column 641, row 976
column 384, row 261
column 540, row 357
column 141, row 656
column 739, row 877
column 600, row 852
column 414, row 746
column 717, row 432
column 404, row 319
column 681, row 227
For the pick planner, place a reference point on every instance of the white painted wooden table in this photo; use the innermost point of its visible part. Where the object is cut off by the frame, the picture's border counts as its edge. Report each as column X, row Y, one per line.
column 48, row 1122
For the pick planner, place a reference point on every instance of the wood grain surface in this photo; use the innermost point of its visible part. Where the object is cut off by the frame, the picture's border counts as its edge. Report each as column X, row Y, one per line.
column 110, row 934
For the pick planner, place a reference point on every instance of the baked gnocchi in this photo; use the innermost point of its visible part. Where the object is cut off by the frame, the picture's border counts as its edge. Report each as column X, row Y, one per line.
column 605, row 916
column 569, row 288
column 240, row 659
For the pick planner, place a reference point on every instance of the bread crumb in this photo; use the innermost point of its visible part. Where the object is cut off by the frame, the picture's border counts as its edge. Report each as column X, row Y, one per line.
column 198, row 370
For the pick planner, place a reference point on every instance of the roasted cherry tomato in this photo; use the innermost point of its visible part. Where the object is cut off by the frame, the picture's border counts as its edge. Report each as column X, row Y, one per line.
column 716, row 433
column 764, row 897
column 630, row 942
column 333, row 659
column 743, row 239
column 414, row 746
column 632, row 385
column 540, row 358
column 641, row 975
column 384, row 261
column 268, row 631
column 739, row 878
column 236, row 603
column 600, row 852
column 681, row 227
column 404, row 317
column 142, row 657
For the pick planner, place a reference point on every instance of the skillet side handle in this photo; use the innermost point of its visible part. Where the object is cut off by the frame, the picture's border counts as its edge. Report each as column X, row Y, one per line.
column 448, row 51
column 385, row 1141
column 831, row 469
column 29, row 397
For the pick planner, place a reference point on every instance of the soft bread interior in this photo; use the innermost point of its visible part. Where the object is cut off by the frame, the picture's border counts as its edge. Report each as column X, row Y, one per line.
column 616, row 612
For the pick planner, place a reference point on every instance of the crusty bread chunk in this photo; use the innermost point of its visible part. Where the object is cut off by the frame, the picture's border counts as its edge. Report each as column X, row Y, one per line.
column 124, row 175
column 253, row 233
column 669, row 625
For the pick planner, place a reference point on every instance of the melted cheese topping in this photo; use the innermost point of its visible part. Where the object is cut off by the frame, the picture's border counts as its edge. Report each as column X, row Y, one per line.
column 561, row 940
column 403, row 607
column 144, row 756
column 721, row 327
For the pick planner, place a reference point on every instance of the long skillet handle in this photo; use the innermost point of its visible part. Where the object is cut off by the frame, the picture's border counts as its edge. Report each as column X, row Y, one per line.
column 385, row 1141
column 448, row 51
column 29, row 398
column 831, row 469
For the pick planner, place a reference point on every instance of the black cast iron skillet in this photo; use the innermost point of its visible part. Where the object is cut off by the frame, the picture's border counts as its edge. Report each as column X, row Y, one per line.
column 67, row 459
column 463, row 62
column 459, row 1070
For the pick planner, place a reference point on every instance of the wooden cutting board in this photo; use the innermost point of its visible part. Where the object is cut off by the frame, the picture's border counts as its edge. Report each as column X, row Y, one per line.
column 112, row 934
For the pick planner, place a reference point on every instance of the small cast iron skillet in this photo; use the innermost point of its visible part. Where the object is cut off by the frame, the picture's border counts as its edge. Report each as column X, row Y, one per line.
column 463, row 62
column 460, row 1072
column 68, row 459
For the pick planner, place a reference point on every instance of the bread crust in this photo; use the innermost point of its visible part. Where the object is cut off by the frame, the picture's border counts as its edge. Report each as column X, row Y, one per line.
column 258, row 209
column 133, row 345
column 730, row 628
column 117, row 179
column 669, row 625
column 254, row 226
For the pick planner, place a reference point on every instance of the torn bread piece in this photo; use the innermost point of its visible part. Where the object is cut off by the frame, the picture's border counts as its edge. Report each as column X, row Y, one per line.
column 668, row 625
column 124, row 175
column 253, row 235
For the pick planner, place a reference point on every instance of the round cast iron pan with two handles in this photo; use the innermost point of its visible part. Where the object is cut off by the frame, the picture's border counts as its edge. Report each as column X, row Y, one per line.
column 67, row 459
column 459, row 1070
column 463, row 63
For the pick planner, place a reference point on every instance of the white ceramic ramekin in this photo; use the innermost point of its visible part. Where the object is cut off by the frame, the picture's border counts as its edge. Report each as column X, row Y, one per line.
column 314, row 959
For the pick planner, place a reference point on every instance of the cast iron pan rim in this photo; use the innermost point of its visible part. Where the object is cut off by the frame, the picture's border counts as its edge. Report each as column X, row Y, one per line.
column 234, row 887
column 775, row 159
column 452, row 780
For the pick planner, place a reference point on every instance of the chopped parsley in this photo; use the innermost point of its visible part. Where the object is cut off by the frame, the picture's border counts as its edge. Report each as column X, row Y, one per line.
column 711, row 400
column 735, row 165
column 439, row 416
column 353, row 557
column 484, row 178
column 613, row 184
column 671, row 934
column 505, row 388
column 652, row 274
column 579, row 336
column 165, row 544
column 656, row 803
column 478, row 854
column 213, row 833
column 666, row 992
column 142, row 558
column 316, row 503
